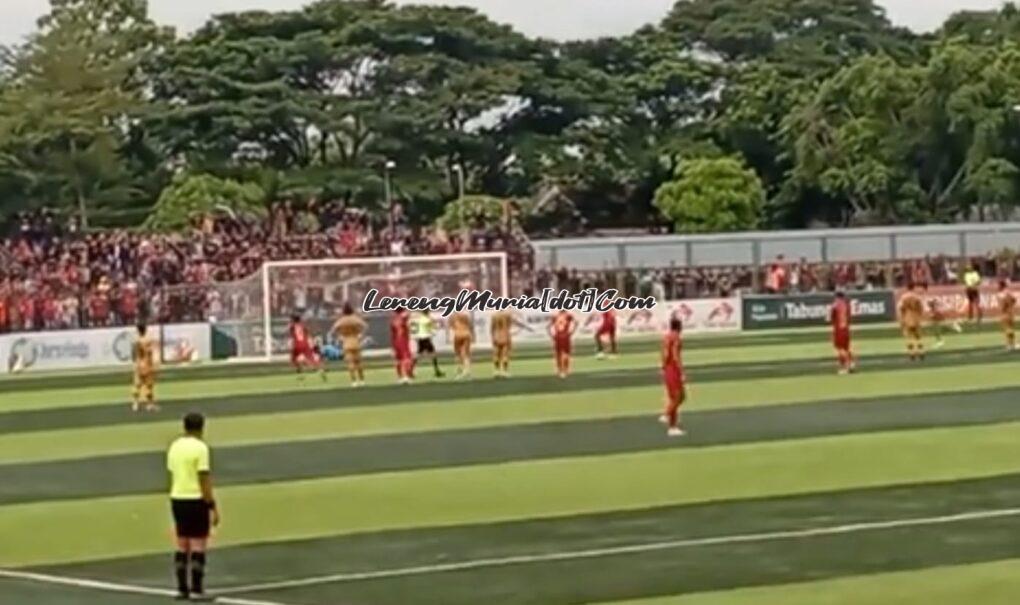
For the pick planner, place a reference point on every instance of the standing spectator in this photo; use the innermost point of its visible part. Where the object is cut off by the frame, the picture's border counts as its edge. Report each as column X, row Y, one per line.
column 777, row 280
column 99, row 308
column 127, row 307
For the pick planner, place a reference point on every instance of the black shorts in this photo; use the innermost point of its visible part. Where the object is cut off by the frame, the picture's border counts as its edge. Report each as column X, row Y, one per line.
column 425, row 346
column 191, row 518
column 973, row 295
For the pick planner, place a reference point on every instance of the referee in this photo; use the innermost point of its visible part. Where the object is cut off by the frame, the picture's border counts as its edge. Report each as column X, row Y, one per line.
column 423, row 330
column 193, row 506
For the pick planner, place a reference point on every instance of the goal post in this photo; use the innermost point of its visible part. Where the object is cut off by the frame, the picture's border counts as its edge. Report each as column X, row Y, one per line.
column 257, row 310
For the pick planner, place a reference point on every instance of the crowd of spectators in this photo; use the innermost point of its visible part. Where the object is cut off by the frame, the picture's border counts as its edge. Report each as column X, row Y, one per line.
column 53, row 275
column 778, row 277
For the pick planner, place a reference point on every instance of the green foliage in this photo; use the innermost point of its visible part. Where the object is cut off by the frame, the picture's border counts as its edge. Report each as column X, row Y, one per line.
column 188, row 197
column 845, row 118
column 67, row 103
column 709, row 195
column 474, row 211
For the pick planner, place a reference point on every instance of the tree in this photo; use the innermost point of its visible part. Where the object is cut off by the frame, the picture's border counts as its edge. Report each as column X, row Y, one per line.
column 710, row 195
column 328, row 94
column 475, row 211
column 854, row 139
column 650, row 106
column 67, row 105
column 191, row 196
column 806, row 35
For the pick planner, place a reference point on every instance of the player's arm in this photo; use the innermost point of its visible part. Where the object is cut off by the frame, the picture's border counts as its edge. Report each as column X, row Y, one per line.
column 205, row 481
column 574, row 324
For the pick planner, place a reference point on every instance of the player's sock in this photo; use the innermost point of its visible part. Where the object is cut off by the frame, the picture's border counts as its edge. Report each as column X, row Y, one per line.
column 435, row 365
column 181, row 572
column 197, row 572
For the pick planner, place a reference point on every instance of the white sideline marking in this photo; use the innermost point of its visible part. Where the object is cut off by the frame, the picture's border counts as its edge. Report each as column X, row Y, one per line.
column 115, row 587
column 622, row 550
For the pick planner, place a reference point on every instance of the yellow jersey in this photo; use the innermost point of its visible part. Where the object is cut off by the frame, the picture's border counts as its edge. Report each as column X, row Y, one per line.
column 1007, row 304
column 187, row 457
column 144, row 354
column 911, row 309
column 502, row 321
column 460, row 324
column 351, row 328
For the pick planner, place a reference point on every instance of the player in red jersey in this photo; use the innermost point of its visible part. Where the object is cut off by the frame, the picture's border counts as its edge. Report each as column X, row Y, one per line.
column 400, row 338
column 302, row 351
column 839, row 317
column 673, row 377
column 606, row 333
column 561, row 329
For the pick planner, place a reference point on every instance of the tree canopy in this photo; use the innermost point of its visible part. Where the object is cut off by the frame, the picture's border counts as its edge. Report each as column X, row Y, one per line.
column 839, row 116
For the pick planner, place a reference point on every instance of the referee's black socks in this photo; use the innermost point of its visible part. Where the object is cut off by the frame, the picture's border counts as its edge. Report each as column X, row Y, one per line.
column 181, row 569
column 197, row 572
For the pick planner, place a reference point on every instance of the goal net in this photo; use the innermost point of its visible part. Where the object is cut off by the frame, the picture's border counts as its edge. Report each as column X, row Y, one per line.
column 253, row 314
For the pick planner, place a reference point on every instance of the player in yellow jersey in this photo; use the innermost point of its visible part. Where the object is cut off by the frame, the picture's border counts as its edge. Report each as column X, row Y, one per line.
column 911, row 311
column 500, row 325
column 1007, row 312
column 143, row 353
column 351, row 330
column 460, row 328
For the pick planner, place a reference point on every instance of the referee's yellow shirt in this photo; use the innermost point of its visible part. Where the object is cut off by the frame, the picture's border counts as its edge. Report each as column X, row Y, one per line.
column 186, row 458
column 972, row 279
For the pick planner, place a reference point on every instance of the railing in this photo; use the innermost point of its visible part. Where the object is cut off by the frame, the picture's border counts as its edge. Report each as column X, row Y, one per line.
column 760, row 248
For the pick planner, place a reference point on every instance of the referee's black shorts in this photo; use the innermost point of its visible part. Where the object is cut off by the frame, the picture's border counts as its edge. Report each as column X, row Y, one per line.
column 425, row 346
column 973, row 295
column 191, row 518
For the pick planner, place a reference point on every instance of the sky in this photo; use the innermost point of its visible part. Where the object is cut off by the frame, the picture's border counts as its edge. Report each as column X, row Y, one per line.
column 559, row 19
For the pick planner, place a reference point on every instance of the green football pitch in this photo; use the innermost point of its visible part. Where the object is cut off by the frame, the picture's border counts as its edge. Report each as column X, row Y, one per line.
column 795, row 486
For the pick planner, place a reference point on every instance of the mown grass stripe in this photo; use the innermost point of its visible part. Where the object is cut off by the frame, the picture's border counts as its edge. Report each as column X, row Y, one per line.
column 67, row 531
column 994, row 583
column 18, row 591
column 285, row 461
column 415, row 415
column 698, row 568
column 319, row 398
column 782, row 338
column 709, row 365
column 369, row 553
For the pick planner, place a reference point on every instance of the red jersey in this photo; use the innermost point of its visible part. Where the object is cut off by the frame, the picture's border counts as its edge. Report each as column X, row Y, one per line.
column 839, row 315
column 299, row 336
column 562, row 325
column 608, row 321
column 27, row 309
column 671, row 347
column 99, row 306
column 400, row 330
column 129, row 302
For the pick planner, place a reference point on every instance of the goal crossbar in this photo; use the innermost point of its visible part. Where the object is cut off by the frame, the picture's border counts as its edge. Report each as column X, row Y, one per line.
column 267, row 269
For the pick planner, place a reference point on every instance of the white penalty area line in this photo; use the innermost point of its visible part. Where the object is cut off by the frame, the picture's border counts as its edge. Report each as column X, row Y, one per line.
column 115, row 587
column 623, row 550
